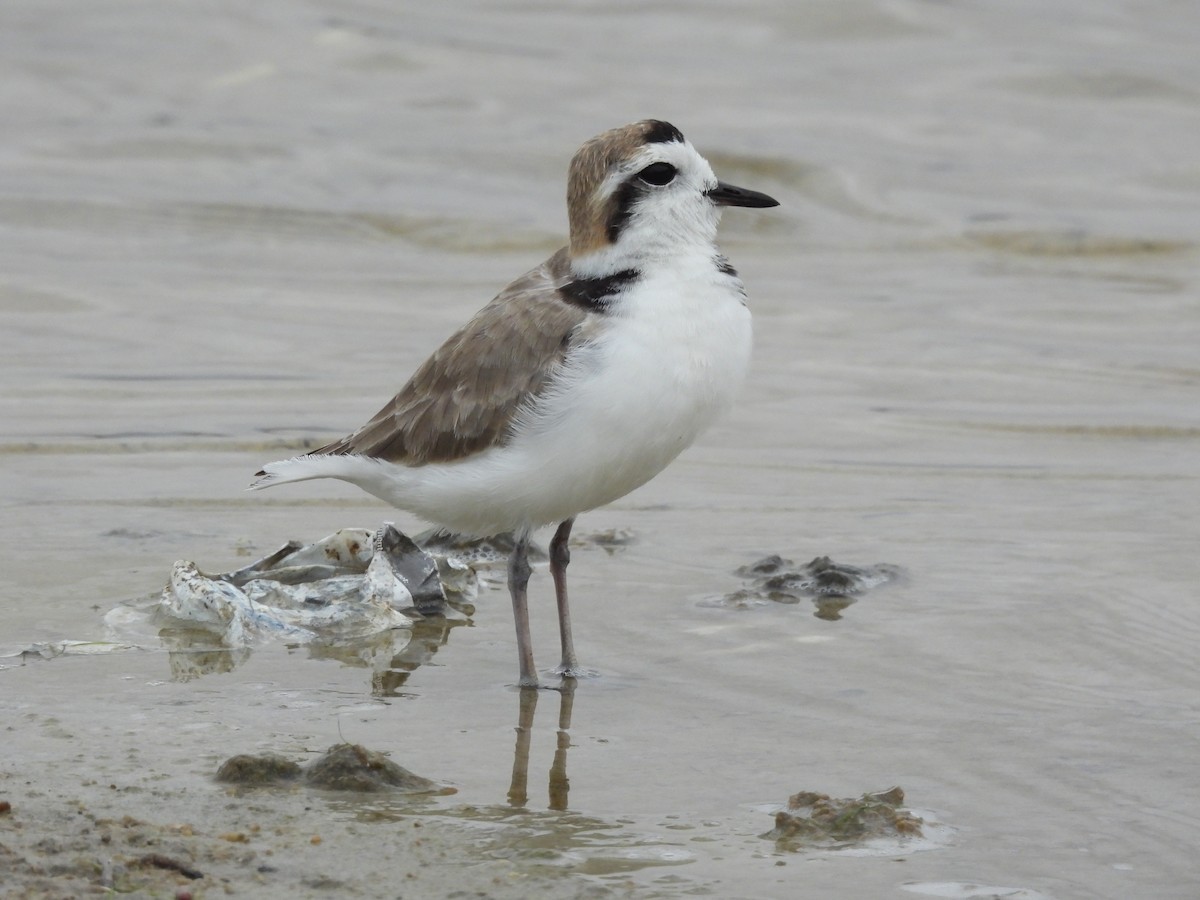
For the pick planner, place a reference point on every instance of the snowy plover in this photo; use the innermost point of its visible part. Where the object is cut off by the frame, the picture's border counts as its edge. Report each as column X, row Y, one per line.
column 582, row 380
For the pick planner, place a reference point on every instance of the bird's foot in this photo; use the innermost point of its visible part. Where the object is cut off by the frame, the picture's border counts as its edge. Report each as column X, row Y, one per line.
column 574, row 670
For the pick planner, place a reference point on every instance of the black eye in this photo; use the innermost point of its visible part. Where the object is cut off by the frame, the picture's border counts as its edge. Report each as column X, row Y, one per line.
column 657, row 173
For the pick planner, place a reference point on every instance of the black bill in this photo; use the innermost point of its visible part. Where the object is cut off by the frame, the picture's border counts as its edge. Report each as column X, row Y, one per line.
column 728, row 195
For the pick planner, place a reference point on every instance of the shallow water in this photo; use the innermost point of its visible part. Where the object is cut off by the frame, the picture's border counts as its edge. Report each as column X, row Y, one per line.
column 225, row 232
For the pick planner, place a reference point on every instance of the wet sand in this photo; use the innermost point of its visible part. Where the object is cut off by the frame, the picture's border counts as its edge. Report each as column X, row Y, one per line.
column 225, row 233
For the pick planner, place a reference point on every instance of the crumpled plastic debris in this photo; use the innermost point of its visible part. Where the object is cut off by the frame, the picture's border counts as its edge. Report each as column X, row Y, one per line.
column 53, row 649
column 368, row 599
column 345, row 587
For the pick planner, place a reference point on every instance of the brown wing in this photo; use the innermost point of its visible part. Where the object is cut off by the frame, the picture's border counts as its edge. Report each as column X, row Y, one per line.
column 463, row 399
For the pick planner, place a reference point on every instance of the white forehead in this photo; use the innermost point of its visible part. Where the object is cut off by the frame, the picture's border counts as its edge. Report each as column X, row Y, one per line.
column 692, row 167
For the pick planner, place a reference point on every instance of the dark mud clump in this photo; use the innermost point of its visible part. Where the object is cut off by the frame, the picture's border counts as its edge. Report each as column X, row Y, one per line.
column 351, row 767
column 814, row 820
column 831, row 586
column 269, row 768
column 489, row 551
column 610, row 540
column 343, row 767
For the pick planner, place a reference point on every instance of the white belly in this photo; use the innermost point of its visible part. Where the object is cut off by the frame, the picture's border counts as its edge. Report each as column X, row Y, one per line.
column 630, row 402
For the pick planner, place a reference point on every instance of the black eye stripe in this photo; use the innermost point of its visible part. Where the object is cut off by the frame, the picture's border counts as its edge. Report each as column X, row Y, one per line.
column 631, row 190
column 658, row 173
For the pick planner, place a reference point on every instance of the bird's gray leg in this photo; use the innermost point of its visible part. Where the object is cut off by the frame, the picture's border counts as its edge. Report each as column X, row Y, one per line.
column 560, row 556
column 518, row 582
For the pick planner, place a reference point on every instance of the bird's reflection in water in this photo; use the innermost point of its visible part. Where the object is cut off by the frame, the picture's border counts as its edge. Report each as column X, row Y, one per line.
column 518, row 790
column 429, row 635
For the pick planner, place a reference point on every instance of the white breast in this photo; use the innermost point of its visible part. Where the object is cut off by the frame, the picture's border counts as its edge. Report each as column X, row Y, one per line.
column 665, row 361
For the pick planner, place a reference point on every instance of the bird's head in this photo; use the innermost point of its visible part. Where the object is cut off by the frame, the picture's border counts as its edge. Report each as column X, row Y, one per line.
column 642, row 191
